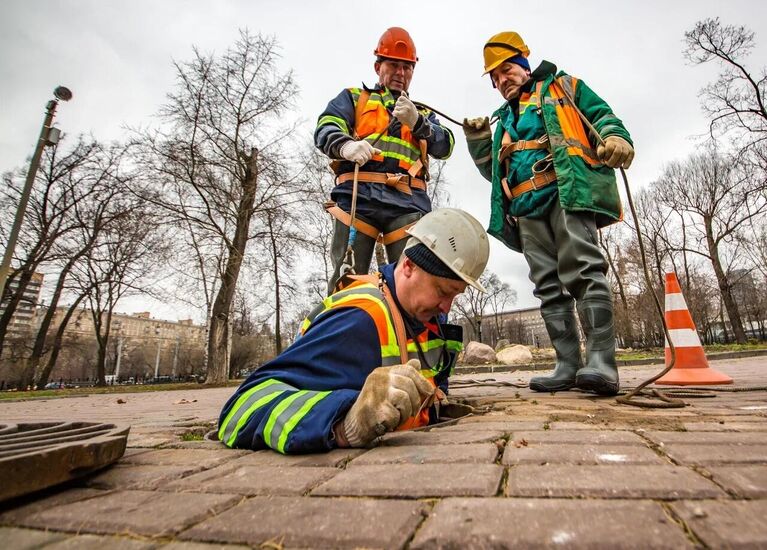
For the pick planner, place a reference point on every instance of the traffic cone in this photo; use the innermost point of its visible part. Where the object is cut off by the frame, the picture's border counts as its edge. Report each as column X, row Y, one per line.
column 691, row 366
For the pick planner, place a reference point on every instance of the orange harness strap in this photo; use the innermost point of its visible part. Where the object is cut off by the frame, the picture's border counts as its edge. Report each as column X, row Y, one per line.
column 538, row 181
column 367, row 229
column 400, row 182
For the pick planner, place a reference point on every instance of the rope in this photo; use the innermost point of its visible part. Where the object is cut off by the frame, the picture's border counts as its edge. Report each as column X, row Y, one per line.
column 471, row 382
column 443, row 115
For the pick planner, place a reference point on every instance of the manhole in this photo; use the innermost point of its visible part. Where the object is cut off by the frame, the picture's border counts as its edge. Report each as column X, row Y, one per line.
column 34, row 456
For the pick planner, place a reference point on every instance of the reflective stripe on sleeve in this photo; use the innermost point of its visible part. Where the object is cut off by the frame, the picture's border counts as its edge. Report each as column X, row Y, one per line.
column 285, row 416
column 247, row 404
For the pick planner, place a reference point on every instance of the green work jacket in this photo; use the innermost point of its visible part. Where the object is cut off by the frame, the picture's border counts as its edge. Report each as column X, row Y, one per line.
column 581, row 186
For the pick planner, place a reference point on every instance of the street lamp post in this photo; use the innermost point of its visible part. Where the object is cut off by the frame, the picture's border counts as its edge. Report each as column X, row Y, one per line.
column 157, row 359
column 118, row 326
column 175, row 356
column 48, row 136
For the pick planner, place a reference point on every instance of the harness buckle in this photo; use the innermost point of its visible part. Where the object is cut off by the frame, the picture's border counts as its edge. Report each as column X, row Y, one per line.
column 543, row 165
column 393, row 180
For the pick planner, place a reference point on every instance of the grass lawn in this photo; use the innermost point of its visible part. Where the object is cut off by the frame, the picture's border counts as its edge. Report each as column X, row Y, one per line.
column 659, row 353
column 137, row 388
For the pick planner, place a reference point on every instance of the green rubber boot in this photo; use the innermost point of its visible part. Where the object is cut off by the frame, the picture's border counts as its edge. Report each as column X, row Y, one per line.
column 563, row 332
column 600, row 374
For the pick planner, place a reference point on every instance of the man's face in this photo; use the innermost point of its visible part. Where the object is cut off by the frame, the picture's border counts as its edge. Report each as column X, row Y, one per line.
column 423, row 295
column 509, row 78
column 395, row 75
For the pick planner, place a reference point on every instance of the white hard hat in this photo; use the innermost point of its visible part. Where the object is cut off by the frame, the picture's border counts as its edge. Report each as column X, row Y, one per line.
column 457, row 239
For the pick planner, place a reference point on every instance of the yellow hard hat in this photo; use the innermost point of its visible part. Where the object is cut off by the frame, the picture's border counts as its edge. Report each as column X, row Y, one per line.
column 502, row 46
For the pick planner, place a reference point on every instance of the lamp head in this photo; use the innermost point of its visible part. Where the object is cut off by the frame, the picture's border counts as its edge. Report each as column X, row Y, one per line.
column 63, row 93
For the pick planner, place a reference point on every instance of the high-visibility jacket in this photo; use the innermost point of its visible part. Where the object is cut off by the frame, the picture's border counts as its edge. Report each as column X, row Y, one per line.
column 401, row 146
column 291, row 403
column 582, row 181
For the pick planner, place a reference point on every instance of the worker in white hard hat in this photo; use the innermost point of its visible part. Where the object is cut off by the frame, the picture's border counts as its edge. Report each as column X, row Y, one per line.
column 371, row 358
column 553, row 187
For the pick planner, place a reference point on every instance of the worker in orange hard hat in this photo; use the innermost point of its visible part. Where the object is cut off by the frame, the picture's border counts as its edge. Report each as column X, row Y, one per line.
column 554, row 186
column 389, row 139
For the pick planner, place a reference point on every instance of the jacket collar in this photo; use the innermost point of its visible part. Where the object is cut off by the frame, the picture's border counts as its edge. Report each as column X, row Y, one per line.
column 543, row 71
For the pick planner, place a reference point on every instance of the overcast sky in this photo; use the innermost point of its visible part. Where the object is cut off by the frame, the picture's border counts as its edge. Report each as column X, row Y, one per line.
column 116, row 58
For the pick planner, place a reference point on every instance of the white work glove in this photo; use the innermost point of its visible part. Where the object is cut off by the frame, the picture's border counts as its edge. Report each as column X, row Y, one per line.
column 390, row 396
column 405, row 111
column 477, row 128
column 358, row 151
column 616, row 152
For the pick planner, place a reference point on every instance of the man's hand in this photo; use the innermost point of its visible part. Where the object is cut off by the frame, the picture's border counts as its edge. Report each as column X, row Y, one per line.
column 477, row 128
column 405, row 111
column 616, row 152
column 358, row 151
column 390, row 396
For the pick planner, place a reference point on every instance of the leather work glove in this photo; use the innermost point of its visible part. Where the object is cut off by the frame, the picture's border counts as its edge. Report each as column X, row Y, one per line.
column 405, row 111
column 477, row 128
column 390, row 396
column 616, row 152
column 358, row 151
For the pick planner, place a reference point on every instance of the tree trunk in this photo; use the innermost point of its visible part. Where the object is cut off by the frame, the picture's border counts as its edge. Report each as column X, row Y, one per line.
column 39, row 347
column 628, row 336
column 57, row 341
column 277, row 301
column 103, row 341
column 218, row 369
column 14, row 298
column 725, row 288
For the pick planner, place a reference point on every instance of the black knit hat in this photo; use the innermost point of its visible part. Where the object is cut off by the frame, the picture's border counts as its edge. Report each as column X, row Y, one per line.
column 428, row 261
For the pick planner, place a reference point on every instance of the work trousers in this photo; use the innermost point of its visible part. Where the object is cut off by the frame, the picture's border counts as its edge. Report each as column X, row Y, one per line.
column 565, row 260
column 364, row 246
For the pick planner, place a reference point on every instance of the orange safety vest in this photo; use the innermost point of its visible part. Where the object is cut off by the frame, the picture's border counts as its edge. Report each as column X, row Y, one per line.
column 370, row 293
column 371, row 119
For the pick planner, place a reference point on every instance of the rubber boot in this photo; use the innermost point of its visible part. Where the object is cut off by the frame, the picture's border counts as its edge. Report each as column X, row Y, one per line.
column 600, row 374
column 563, row 332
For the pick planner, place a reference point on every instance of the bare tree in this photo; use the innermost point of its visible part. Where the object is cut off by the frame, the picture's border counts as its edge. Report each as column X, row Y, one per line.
column 132, row 247
column 473, row 304
column 735, row 102
column 51, row 216
column 438, row 191
column 720, row 197
column 94, row 211
column 217, row 160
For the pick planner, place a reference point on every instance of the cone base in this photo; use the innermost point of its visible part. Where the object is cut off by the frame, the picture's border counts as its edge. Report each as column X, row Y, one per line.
column 694, row 377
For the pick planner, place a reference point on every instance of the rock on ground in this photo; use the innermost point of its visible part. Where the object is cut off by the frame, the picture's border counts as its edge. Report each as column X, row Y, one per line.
column 477, row 353
column 515, row 355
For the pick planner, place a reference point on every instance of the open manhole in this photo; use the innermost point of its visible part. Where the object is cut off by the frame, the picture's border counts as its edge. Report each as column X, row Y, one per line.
column 34, row 456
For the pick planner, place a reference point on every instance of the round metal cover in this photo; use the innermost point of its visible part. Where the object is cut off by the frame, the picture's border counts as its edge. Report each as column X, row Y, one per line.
column 38, row 455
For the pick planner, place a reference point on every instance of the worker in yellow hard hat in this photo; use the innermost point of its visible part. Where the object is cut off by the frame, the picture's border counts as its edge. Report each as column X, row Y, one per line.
column 553, row 187
column 380, row 130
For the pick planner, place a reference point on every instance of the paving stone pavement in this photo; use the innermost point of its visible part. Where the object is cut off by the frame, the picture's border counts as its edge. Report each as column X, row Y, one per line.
column 536, row 470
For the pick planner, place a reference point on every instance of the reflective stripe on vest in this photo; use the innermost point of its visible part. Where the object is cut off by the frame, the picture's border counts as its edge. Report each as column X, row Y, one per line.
column 574, row 135
column 374, row 119
column 368, row 297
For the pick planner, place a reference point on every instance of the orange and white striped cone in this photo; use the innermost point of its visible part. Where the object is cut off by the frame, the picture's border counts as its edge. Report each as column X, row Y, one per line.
column 691, row 367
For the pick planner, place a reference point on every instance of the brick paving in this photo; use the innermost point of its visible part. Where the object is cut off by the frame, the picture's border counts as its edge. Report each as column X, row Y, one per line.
column 536, row 470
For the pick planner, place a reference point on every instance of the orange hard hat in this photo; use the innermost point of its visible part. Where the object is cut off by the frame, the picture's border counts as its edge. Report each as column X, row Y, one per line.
column 395, row 43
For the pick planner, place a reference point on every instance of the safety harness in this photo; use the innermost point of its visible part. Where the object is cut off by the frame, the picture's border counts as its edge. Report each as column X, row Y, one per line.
column 573, row 134
column 421, row 417
column 404, row 183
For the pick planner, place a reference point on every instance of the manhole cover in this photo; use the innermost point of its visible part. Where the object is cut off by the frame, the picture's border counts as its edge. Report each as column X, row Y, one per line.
column 38, row 455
